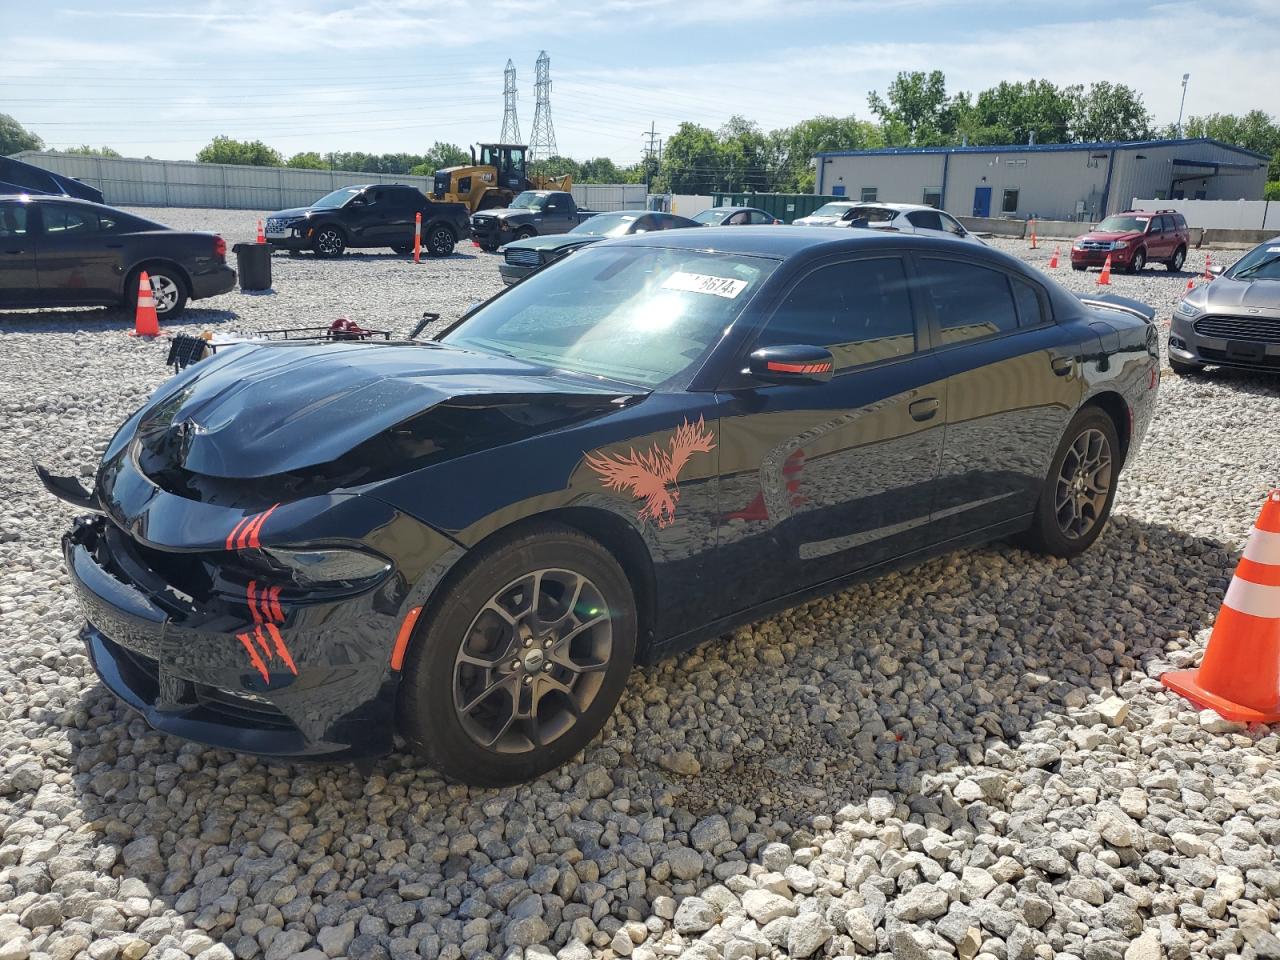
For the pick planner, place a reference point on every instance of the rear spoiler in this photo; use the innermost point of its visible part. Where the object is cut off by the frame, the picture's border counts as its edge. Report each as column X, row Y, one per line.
column 1110, row 301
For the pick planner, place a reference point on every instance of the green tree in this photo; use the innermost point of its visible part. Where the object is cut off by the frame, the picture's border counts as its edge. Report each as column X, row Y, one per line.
column 1255, row 130
column 307, row 161
column 693, row 161
column 1107, row 111
column 248, row 153
column 84, row 150
column 1016, row 112
column 794, row 148
column 915, row 111
column 14, row 137
column 599, row 170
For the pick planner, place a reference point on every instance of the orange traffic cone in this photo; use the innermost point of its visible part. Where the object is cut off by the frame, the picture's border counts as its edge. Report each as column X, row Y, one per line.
column 1191, row 285
column 1053, row 261
column 1104, row 278
column 1033, row 235
column 262, row 237
column 145, row 322
column 1239, row 676
column 1208, row 262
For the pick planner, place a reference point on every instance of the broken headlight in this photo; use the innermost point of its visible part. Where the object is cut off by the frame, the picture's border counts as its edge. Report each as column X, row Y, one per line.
column 329, row 566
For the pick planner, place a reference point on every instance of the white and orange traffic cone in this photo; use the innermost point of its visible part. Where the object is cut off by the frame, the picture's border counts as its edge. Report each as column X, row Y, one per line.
column 417, row 237
column 1239, row 677
column 1033, row 235
column 1191, row 285
column 1104, row 278
column 1053, row 261
column 262, row 237
column 1208, row 262
column 145, row 322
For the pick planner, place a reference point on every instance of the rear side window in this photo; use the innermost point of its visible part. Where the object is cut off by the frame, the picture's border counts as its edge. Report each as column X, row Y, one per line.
column 13, row 219
column 925, row 219
column 758, row 216
column 61, row 220
column 969, row 301
column 859, row 310
column 1030, row 309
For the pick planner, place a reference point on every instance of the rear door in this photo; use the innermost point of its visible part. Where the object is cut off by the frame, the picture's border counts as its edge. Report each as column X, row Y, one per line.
column 78, row 259
column 819, row 480
column 18, row 284
column 927, row 222
column 1013, row 382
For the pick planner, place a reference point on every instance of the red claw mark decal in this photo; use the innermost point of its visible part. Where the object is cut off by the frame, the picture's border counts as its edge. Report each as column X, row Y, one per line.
column 264, row 607
column 245, row 533
column 653, row 474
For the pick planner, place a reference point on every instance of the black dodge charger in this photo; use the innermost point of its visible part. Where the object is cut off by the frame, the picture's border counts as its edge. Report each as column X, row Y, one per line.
column 321, row 550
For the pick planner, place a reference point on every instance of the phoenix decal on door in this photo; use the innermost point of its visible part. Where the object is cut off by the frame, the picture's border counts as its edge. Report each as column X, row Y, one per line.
column 654, row 474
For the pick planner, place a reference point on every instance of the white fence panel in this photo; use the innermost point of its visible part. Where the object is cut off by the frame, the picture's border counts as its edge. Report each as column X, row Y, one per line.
column 1220, row 214
column 610, row 196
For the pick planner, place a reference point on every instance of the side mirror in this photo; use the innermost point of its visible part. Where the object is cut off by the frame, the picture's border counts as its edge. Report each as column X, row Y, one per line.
column 791, row 364
column 1217, row 269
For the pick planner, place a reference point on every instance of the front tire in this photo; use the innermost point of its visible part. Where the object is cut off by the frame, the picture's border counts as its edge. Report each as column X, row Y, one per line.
column 1138, row 262
column 440, row 241
column 521, row 659
column 1075, row 499
column 402, row 248
column 1177, row 260
column 330, row 242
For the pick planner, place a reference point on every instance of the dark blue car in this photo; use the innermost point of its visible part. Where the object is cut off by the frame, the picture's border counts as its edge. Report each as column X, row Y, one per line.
column 309, row 549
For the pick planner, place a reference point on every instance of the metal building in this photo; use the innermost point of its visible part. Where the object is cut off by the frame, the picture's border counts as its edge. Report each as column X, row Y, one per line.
column 1051, row 181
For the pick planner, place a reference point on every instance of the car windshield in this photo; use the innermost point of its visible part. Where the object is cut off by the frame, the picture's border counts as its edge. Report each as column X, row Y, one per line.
column 636, row 314
column 713, row 216
column 1123, row 224
column 336, row 199
column 1260, row 263
column 528, row 201
column 606, row 225
column 831, row 210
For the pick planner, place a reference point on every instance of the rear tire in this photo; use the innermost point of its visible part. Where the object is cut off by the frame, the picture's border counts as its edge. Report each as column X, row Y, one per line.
column 1079, row 267
column 1076, row 497
column 1184, row 369
column 1175, row 262
column 498, row 686
column 168, row 289
column 330, row 242
column 440, row 241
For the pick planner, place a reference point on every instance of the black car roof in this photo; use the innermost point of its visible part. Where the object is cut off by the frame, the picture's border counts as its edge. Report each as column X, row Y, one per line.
column 57, row 198
column 769, row 241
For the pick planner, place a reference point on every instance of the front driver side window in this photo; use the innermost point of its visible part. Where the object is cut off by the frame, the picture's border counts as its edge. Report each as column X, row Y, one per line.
column 860, row 310
column 13, row 219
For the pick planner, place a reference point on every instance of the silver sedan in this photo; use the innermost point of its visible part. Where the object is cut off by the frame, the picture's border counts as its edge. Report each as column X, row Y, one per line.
column 1233, row 321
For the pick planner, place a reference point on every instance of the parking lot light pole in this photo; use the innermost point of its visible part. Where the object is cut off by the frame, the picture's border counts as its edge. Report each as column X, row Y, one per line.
column 1185, row 78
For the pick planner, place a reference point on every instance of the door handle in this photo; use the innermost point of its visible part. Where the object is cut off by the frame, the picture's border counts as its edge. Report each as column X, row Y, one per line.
column 1062, row 366
column 17, row 251
column 924, row 408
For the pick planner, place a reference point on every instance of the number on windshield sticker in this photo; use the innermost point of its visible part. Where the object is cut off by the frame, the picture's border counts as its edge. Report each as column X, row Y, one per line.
column 725, row 287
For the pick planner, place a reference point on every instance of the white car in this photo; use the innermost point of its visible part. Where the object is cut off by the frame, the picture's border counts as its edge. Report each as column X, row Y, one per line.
column 893, row 217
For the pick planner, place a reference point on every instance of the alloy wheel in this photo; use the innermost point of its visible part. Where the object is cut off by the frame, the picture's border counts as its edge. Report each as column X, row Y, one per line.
column 441, row 242
column 329, row 242
column 1084, row 483
column 532, row 661
column 1178, row 259
column 164, row 290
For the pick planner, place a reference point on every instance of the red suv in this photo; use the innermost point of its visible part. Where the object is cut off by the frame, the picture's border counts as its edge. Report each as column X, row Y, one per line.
column 1133, row 239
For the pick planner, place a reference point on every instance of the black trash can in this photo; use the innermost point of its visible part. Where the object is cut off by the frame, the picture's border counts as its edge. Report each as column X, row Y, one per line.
column 253, row 263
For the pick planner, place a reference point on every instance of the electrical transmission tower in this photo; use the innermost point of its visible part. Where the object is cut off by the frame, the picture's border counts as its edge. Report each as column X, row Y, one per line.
column 542, row 145
column 510, row 122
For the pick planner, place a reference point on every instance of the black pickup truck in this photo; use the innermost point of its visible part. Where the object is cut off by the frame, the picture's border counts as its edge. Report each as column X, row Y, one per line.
column 531, row 214
column 370, row 215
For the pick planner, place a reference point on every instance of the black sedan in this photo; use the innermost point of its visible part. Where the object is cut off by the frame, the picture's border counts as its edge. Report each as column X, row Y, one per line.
column 735, row 217
column 311, row 549
column 63, row 252
column 522, row 257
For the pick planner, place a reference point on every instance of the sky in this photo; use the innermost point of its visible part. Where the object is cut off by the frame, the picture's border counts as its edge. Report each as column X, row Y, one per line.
column 162, row 79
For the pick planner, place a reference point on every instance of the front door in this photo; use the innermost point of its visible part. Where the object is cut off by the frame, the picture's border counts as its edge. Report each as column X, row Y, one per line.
column 18, row 286
column 820, row 480
column 1013, row 383
column 77, row 260
column 982, row 201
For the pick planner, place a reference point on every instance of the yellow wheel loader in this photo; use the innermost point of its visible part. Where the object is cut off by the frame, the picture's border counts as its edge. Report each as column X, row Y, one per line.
column 493, row 178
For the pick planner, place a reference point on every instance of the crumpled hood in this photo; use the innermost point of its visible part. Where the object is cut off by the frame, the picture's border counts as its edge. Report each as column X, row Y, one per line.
column 256, row 410
column 1225, row 293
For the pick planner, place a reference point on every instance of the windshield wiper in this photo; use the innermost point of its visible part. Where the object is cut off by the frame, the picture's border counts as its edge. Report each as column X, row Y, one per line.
column 1255, row 267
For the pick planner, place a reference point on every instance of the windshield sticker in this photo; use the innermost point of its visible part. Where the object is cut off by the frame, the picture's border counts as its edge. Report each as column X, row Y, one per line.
column 705, row 283
column 1273, row 249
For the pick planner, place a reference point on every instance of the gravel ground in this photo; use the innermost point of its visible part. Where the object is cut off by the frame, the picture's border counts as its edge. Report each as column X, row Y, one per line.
column 969, row 759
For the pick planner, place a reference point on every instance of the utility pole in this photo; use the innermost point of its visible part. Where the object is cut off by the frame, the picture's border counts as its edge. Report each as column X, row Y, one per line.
column 1185, row 78
column 510, row 122
column 652, row 154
